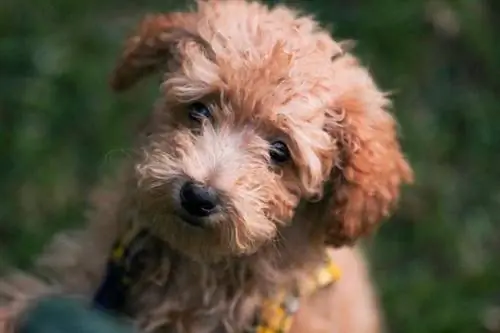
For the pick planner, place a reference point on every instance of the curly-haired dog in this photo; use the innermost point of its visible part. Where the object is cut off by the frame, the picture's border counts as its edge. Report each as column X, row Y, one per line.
column 270, row 148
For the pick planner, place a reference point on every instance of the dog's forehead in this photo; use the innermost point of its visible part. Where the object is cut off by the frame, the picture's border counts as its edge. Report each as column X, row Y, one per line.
column 272, row 91
column 269, row 64
column 271, row 77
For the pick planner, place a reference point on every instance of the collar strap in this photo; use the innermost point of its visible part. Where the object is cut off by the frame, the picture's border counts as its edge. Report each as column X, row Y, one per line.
column 124, row 264
column 276, row 313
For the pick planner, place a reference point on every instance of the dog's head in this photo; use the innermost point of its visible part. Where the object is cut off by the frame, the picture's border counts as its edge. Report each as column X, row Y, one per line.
column 260, row 111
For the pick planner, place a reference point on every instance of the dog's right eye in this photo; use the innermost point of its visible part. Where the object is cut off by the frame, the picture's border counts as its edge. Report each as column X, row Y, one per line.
column 199, row 111
column 279, row 152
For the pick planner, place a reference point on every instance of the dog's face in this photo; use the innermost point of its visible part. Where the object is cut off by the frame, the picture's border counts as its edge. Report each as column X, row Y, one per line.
column 260, row 111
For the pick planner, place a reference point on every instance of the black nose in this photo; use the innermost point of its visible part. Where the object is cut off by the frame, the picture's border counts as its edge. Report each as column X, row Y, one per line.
column 198, row 200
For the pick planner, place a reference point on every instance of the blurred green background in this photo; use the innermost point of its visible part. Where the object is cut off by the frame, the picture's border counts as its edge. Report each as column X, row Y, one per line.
column 436, row 264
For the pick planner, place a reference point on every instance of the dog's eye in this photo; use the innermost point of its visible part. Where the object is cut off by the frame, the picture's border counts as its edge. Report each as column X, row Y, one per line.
column 279, row 152
column 198, row 111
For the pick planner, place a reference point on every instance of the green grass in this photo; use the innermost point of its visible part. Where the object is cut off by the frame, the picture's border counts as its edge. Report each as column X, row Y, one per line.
column 436, row 263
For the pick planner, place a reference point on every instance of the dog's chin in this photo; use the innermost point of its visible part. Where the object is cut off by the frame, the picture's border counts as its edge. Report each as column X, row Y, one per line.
column 205, row 243
column 194, row 222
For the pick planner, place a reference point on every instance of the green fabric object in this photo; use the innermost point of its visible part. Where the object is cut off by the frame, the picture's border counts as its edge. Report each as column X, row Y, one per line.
column 67, row 315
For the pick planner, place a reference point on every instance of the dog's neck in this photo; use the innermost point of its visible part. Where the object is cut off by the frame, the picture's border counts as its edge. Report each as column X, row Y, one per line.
column 279, row 261
column 175, row 283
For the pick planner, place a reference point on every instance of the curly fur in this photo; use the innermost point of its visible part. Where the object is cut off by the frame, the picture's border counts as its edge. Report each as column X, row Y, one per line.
column 266, row 74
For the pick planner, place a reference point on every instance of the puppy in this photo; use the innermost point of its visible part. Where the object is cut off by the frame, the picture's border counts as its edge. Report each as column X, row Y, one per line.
column 269, row 153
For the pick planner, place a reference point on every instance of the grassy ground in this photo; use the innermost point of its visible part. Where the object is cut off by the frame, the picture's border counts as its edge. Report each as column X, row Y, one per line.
column 437, row 263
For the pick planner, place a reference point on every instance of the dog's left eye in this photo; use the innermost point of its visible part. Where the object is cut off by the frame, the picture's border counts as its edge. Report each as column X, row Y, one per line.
column 198, row 111
column 279, row 152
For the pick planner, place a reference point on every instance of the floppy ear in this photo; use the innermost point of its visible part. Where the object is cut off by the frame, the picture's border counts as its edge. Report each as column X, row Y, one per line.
column 366, row 179
column 153, row 46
